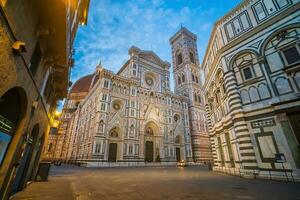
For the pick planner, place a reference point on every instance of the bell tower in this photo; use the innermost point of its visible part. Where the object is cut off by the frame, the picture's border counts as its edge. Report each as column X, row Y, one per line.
column 186, row 70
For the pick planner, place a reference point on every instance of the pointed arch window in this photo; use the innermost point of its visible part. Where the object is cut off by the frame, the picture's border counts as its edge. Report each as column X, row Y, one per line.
column 179, row 58
column 192, row 58
column 197, row 79
column 132, row 131
column 179, row 80
column 183, row 78
column 101, row 127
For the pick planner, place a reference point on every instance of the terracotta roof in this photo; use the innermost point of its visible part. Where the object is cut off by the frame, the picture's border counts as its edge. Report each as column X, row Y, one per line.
column 83, row 84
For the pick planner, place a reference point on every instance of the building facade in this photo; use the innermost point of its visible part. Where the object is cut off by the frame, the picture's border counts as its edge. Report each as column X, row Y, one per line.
column 252, row 85
column 35, row 58
column 58, row 141
column 131, row 117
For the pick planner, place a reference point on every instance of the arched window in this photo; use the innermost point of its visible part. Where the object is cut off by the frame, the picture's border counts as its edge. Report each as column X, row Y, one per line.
column 195, row 97
column 178, row 80
column 245, row 96
column 253, row 94
column 283, row 86
column 193, row 77
column 179, row 58
column 263, row 91
column 192, row 58
column 177, row 139
column 132, row 130
column 183, row 78
column 199, row 98
column 246, row 66
column 101, row 127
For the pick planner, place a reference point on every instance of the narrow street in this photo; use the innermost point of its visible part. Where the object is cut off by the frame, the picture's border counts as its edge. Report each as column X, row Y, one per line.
column 70, row 182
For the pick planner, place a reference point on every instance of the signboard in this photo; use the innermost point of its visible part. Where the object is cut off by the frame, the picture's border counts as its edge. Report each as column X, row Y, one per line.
column 280, row 158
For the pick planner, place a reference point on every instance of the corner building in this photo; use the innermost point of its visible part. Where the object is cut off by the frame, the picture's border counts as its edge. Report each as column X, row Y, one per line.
column 132, row 117
column 35, row 61
column 252, row 71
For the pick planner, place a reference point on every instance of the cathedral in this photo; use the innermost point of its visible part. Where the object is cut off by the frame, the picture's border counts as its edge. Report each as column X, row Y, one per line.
column 132, row 117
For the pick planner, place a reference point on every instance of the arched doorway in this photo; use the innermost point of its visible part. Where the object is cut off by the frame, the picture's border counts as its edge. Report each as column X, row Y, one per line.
column 151, row 130
column 112, row 155
column 114, row 135
column 149, row 151
column 13, row 106
column 11, row 109
column 39, row 148
column 177, row 144
column 25, row 168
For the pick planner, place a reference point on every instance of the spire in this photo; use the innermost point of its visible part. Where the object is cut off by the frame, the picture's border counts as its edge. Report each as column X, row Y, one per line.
column 99, row 67
column 100, row 63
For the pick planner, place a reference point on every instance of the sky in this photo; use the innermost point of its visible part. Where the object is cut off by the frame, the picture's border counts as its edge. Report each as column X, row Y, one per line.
column 116, row 25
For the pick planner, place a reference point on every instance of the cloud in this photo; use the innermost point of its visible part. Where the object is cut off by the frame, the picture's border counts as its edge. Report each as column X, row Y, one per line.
column 114, row 26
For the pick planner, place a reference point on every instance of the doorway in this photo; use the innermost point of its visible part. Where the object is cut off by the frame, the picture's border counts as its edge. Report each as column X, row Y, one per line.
column 25, row 168
column 13, row 105
column 295, row 123
column 178, row 157
column 149, row 151
column 293, row 137
column 10, row 114
column 112, row 155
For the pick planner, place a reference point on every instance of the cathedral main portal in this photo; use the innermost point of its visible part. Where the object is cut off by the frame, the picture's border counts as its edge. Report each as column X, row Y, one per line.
column 112, row 156
column 178, row 157
column 149, row 151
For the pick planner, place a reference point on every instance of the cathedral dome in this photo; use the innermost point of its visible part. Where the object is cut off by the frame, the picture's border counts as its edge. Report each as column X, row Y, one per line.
column 83, row 84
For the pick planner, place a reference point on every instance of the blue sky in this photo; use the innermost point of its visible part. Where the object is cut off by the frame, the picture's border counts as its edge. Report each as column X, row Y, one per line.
column 115, row 25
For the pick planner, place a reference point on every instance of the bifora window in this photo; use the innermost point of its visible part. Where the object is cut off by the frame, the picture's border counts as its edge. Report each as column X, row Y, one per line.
column 291, row 55
column 179, row 58
column 192, row 57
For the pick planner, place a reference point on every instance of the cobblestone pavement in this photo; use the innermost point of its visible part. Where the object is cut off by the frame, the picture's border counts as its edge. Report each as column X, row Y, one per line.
column 70, row 182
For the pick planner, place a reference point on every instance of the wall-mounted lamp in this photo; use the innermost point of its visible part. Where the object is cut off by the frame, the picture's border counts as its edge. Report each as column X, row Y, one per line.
column 19, row 47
